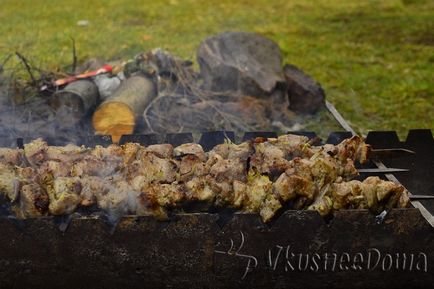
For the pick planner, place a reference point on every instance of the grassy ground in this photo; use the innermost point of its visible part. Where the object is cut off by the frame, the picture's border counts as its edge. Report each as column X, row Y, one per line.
column 375, row 59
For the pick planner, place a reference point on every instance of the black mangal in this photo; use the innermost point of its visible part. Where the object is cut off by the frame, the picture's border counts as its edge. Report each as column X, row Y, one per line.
column 299, row 248
column 351, row 251
column 194, row 247
column 389, row 254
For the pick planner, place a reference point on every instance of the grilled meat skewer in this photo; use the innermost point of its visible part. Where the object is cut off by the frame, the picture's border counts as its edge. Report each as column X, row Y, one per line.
column 259, row 176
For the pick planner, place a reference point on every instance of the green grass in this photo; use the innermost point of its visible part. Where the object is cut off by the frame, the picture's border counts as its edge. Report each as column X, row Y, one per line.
column 375, row 59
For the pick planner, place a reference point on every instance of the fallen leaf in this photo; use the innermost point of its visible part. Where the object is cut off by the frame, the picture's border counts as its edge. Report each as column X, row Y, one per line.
column 146, row 37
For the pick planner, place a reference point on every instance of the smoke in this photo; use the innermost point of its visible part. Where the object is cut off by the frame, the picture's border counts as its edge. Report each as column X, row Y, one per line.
column 26, row 111
column 183, row 104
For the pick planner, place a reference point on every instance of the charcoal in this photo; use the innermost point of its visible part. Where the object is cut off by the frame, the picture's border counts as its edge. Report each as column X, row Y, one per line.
column 305, row 94
column 241, row 62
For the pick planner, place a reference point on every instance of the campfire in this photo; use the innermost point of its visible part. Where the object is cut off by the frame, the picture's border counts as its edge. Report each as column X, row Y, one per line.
column 241, row 86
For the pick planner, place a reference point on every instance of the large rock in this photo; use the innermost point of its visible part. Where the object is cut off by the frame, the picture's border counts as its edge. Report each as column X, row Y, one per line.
column 305, row 94
column 241, row 62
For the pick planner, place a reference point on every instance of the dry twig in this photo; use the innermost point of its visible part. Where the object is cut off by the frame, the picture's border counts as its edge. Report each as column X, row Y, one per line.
column 27, row 65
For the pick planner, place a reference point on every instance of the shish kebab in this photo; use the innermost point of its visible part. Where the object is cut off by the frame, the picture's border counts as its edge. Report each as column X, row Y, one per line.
column 259, row 176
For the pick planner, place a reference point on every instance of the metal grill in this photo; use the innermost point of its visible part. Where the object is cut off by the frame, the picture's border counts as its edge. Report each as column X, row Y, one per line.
column 204, row 250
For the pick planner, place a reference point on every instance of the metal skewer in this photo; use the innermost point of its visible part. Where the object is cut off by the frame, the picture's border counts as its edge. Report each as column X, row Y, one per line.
column 384, row 171
column 389, row 153
column 420, row 197
column 425, row 213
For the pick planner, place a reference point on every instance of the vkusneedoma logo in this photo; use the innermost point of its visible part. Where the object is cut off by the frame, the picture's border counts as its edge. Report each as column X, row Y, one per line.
column 280, row 258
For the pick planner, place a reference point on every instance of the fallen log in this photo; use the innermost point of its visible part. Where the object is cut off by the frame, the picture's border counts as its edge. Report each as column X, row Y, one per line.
column 119, row 114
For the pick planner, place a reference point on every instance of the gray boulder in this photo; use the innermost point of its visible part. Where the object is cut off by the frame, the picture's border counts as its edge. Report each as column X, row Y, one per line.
column 240, row 62
column 305, row 94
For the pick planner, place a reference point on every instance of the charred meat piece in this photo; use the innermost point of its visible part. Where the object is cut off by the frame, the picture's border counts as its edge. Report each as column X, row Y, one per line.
column 269, row 207
column 389, row 193
column 228, row 169
column 288, row 187
column 153, row 168
column 373, row 194
column 112, row 152
column 130, row 151
column 34, row 201
column 164, row 151
column 35, row 152
column 101, row 162
column 114, row 198
column 164, row 195
column 269, row 159
column 91, row 187
column 353, row 148
column 27, row 174
column 64, row 195
column 191, row 166
column 92, row 166
column 284, row 187
column 222, row 175
column 323, row 169
column 259, row 197
column 294, row 146
column 200, row 189
column 323, row 206
column 190, row 149
column 154, row 199
column 68, row 153
column 404, row 199
column 229, row 150
column 56, row 168
column 13, row 157
column 258, row 187
column 240, row 193
column 9, row 182
column 223, row 191
column 343, row 193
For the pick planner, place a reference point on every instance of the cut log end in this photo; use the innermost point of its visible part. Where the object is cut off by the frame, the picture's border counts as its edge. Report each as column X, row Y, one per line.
column 114, row 119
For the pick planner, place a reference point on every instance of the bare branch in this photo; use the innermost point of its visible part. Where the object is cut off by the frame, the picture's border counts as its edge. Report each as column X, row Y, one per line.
column 74, row 56
column 27, row 65
column 6, row 59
